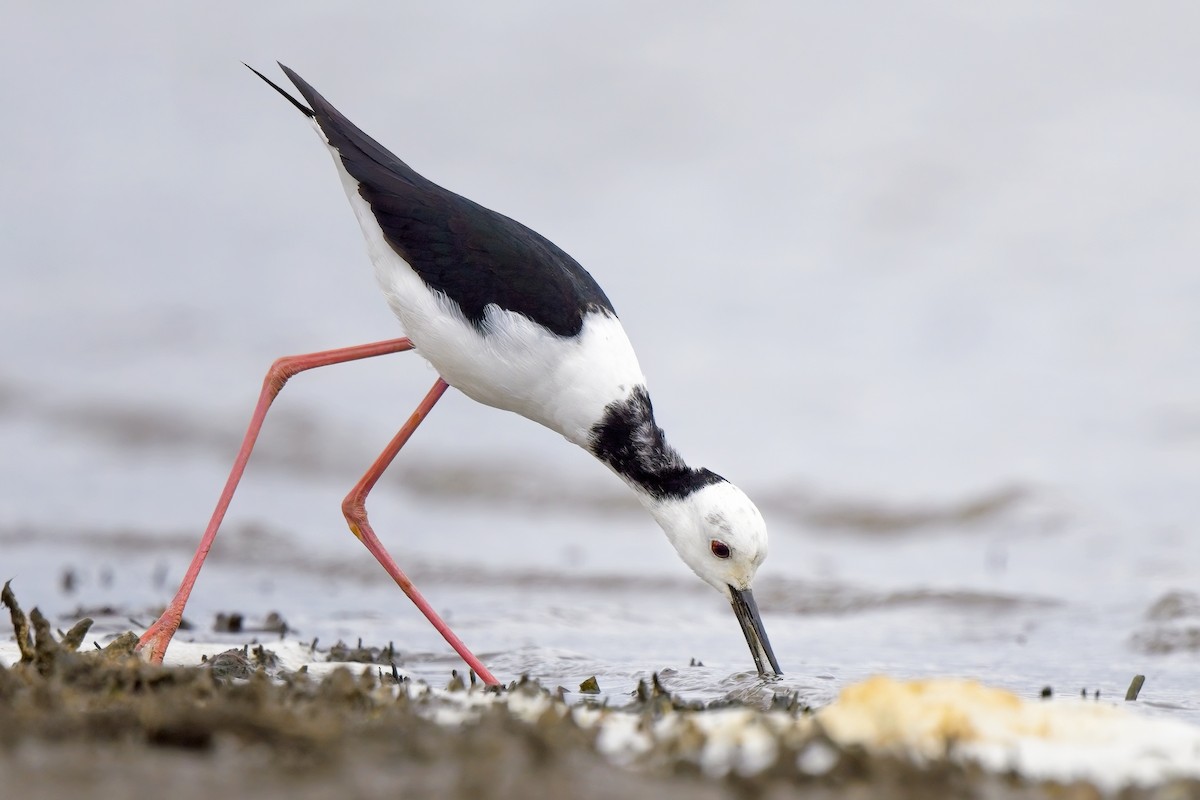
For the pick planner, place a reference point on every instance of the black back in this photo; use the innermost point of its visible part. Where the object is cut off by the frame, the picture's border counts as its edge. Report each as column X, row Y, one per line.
column 474, row 255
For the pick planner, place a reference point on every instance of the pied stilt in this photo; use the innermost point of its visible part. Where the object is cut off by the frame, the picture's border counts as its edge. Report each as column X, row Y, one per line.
column 510, row 320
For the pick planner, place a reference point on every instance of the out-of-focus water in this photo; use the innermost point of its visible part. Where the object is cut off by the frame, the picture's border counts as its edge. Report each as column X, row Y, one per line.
column 922, row 279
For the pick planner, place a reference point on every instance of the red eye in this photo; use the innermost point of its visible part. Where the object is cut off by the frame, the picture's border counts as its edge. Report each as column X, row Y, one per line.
column 719, row 548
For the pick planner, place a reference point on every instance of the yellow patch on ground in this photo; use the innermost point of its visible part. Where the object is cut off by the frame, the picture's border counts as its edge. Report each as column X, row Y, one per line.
column 932, row 716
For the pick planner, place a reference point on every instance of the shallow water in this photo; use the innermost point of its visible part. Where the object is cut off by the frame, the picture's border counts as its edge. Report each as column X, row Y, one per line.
column 933, row 305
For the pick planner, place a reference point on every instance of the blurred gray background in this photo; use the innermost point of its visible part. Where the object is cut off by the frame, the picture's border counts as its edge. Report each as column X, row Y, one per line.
column 925, row 268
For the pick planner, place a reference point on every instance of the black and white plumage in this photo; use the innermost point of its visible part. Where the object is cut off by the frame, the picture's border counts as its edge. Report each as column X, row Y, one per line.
column 512, row 321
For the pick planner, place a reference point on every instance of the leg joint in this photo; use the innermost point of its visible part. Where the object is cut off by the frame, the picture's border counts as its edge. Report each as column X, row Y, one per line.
column 354, row 509
column 281, row 370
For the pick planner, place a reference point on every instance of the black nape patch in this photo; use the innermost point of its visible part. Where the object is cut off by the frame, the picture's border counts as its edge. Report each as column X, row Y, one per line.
column 632, row 444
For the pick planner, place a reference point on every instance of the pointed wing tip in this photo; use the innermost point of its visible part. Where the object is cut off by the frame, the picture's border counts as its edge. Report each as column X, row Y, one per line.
column 305, row 110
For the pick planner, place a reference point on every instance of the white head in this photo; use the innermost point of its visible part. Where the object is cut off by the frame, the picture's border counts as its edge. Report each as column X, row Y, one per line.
column 721, row 535
column 717, row 532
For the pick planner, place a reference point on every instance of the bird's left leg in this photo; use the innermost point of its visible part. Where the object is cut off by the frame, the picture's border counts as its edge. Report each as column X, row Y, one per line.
column 354, row 507
column 153, row 643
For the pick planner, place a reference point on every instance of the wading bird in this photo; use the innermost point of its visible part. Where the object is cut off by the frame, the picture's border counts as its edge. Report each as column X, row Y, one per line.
column 510, row 320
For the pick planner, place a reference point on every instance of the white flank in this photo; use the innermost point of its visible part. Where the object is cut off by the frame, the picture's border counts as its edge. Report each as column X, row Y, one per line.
column 516, row 365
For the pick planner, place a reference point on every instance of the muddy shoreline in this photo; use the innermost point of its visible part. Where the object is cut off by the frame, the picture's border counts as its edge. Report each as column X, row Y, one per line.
column 103, row 723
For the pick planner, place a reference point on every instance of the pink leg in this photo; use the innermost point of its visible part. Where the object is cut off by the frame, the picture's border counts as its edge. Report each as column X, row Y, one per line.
column 154, row 641
column 355, row 509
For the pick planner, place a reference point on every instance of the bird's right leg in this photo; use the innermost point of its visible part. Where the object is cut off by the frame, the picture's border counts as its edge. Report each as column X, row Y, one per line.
column 354, row 508
column 153, row 644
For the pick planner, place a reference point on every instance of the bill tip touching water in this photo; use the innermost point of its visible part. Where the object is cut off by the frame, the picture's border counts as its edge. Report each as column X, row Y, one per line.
column 512, row 321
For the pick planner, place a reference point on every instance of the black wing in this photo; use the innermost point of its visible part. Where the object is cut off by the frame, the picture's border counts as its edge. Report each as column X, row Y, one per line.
column 474, row 255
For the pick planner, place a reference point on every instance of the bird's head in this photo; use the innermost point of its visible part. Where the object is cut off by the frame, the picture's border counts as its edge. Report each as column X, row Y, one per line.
column 721, row 535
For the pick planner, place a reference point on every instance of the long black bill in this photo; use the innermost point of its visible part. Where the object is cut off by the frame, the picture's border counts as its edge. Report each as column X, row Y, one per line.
column 756, row 636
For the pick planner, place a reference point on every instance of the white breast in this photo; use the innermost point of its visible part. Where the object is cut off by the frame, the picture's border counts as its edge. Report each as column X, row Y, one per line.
column 563, row 383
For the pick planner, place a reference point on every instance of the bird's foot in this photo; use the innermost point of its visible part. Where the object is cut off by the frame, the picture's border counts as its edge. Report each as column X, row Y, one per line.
column 152, row 646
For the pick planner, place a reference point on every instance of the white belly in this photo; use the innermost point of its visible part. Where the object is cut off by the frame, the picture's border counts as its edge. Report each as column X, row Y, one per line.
column 514, row 364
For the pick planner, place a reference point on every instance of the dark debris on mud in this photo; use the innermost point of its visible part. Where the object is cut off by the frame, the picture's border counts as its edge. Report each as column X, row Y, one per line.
column 1172, row 625
column 364, row 655
column 84, row 723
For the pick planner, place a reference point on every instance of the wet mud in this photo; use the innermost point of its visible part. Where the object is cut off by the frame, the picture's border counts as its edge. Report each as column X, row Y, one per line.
column 1172, row 624
column 302, row 445
column 83, row 722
